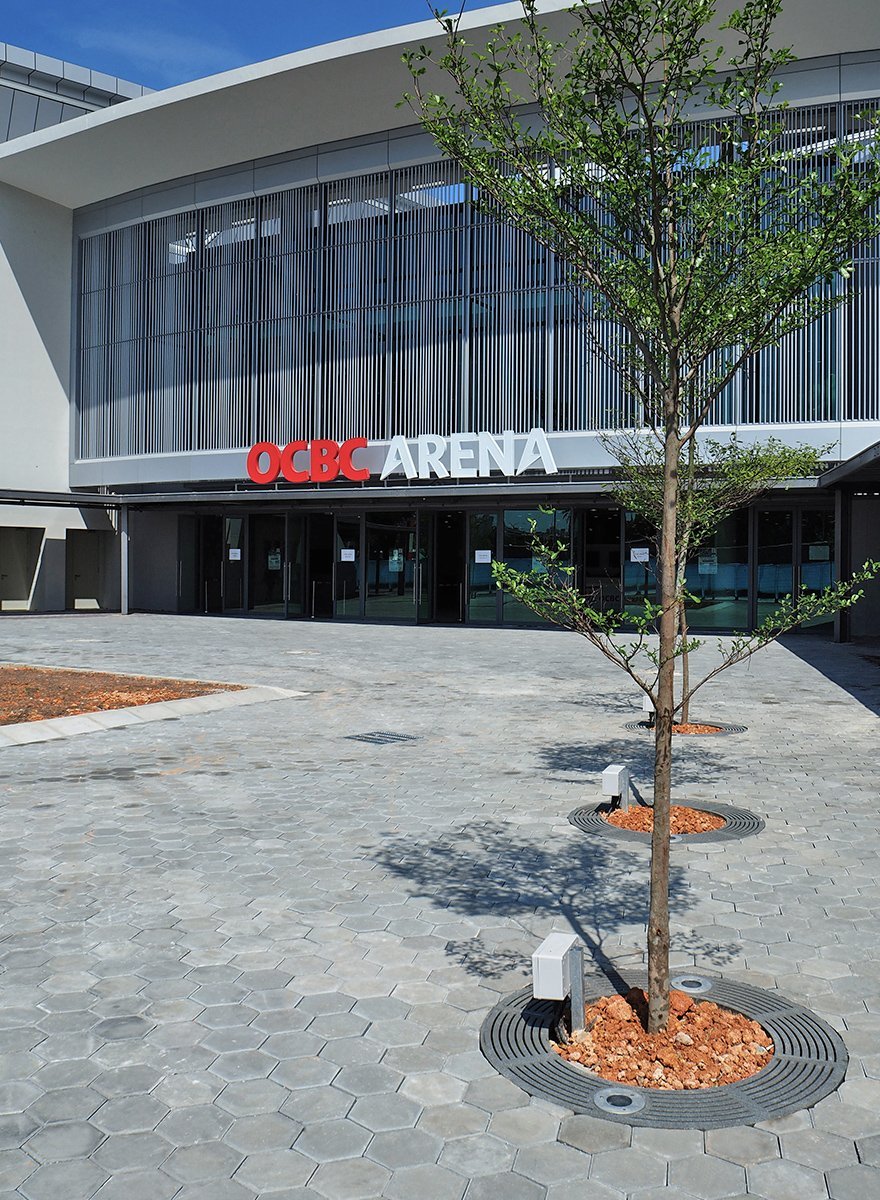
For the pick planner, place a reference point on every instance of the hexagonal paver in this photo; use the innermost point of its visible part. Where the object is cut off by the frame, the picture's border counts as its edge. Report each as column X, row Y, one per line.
column 325, row 1141
column 593, row 1135
column 389, row 1110
column 433, row 1087
column 132, row 1151
column 418, row 1183
column 350, row 1179
column 275, row 1170
column 72, row 1180
column 509, row 1187
column 551, row 1163
column 68, row 1139
column 265, row 1131
column 743, row 1144
column 207, row 1160
column 196, row 1123
column 784, row 1181
column 317, row 1104
column 367, row 1079
column 130, row 1114
column 304, row 1072
column 628, row 1169
column 243, row 1064
column 853, row 1183
column 404, row 1148
column 523, row 1126
column 480, row 1154
column 706, row 1176
column 819, row 1150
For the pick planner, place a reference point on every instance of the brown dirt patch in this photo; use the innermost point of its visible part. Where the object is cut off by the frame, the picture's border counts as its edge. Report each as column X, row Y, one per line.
column 40, row 693
column 681, row 819
column 692, row 728
column 704, row 1045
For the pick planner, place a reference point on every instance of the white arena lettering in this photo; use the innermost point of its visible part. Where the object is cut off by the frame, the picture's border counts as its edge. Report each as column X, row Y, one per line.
column 469, row 455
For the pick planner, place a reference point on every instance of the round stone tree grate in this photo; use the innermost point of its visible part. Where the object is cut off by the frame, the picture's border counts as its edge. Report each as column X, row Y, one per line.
column 723, row 730
column 738, row 823
column 808, row 1063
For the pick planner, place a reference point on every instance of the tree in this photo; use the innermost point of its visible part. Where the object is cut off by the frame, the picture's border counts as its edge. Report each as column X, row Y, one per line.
column 716, row 478
column 646, row 148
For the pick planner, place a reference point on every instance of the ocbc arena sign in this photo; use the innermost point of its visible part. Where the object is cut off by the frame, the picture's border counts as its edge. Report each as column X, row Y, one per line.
column 459, row 456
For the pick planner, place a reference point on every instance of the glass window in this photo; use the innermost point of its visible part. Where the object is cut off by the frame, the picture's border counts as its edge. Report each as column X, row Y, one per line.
column 482, row 591
column 775, row 573
column 266, row 563
column 718, row 576
column 818, row 568
column 552, row 527
column 639, row 563
column 347, row 572
column 598, row 575
column 391, row 566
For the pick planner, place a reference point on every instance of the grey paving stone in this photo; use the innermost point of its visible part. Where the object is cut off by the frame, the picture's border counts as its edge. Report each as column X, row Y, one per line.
column 325, row 1141
column 72, row 1180
column 389, row 1110
column 417, row 1183
column 706, row 1176
column 505, row 1186
column 273, row 1170
column 132, row 1151
column 822, row 1151
column 744, row 1145
column 785, row 1181
column 139, row 1185
column 196, row 1123
column 206, row 1160
column 350, row 1179
column 67, row 1139
column 479, row 1154
column 267, row 1131
column 523, row 1126
column 628, row 1169
column 854, row 1182
column 552, row 1163
column 593, row 1135
column 454, row 1120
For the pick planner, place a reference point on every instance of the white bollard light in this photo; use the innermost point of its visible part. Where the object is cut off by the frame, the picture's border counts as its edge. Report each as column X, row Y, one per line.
column 558, row 973
column 648, row 708
column 615, row 783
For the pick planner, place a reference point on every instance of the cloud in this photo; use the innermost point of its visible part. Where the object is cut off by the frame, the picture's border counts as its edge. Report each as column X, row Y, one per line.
column 150, row 55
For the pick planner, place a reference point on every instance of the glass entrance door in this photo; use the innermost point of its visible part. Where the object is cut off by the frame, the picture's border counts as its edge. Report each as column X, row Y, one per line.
column 266, row 538
column 392, row 567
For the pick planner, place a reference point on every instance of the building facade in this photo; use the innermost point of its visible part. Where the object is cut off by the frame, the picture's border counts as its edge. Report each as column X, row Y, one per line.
column 269, row 357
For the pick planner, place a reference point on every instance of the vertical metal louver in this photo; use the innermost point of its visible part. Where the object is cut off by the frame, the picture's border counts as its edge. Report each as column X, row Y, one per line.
column 391, row 304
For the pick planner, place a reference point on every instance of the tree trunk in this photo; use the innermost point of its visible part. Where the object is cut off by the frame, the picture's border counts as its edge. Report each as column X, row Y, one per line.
column 685, row 666
column 658, row 918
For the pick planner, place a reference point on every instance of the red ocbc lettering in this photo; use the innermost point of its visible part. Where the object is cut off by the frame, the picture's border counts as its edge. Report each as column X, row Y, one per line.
column 326, row 460
column 288, row 470
column 346, row 450
column 323, row 460
column 255, row 472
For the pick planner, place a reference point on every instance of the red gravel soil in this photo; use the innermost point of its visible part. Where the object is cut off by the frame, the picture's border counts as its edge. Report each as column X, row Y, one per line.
column 704, row 1045
column 695, row 729
column 681, row 819
column 39, row 693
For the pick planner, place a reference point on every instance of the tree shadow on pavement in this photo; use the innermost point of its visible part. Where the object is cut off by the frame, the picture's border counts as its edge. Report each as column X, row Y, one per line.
column 516, row 889
column 696, row 760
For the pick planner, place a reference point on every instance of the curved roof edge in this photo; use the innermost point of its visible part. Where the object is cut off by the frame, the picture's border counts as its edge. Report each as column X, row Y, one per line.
column 327, row 94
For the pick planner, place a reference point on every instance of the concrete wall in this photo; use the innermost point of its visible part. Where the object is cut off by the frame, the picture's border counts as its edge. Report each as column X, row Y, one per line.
column 865, row 616
column 35, row 314
column 153, row 561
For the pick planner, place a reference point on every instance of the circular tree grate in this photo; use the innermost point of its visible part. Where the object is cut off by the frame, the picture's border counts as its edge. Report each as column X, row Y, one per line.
column 738, row 823
column 809, row 1061
column 723, row 730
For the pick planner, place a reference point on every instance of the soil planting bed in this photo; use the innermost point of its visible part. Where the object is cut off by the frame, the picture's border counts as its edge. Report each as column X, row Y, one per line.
column 691, row 728
column 40, row 693
column 681, row 819
column 704, row 1046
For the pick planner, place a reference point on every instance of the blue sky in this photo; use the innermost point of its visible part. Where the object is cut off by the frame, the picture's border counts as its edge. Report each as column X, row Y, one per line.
column 163, row 42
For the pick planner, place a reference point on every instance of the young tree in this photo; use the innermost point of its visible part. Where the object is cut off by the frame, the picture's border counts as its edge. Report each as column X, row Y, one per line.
column 715, row 479
column 646, row 149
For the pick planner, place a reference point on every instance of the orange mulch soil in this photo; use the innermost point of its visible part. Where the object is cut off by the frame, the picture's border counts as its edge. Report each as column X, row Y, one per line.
column 39, row 693
column 681, row 819
column 703, row 1046
column 692, row 728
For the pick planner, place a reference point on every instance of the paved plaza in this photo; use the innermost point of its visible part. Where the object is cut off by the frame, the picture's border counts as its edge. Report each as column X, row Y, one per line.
column 246, row 954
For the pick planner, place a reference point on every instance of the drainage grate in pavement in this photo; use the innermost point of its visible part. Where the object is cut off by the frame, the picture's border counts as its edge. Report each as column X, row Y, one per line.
column 382, row 737
column 809, row 1061
column 723, row 730
column 738, row 823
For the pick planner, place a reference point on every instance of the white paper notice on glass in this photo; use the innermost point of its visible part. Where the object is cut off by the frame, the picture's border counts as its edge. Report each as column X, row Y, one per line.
column 346, row 555
column 640, row 554
column 234, row 554
column 820, row 552
column 482, row 556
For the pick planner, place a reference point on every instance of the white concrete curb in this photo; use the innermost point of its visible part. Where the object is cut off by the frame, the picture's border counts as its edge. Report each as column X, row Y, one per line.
column 27, row 732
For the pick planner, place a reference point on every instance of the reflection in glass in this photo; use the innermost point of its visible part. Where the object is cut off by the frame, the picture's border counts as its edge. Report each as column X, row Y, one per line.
column 266, row 563
column 551, row 527
column 348, row 568
column 482, row 592
column 598, row 574
column 296, row 580
column 818, row 568
column 718, row 576
column 639, row 564
column 391, row 566
column 775, row 573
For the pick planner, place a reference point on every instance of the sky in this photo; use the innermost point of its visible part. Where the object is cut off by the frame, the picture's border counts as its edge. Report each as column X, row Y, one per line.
column 162, row 42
